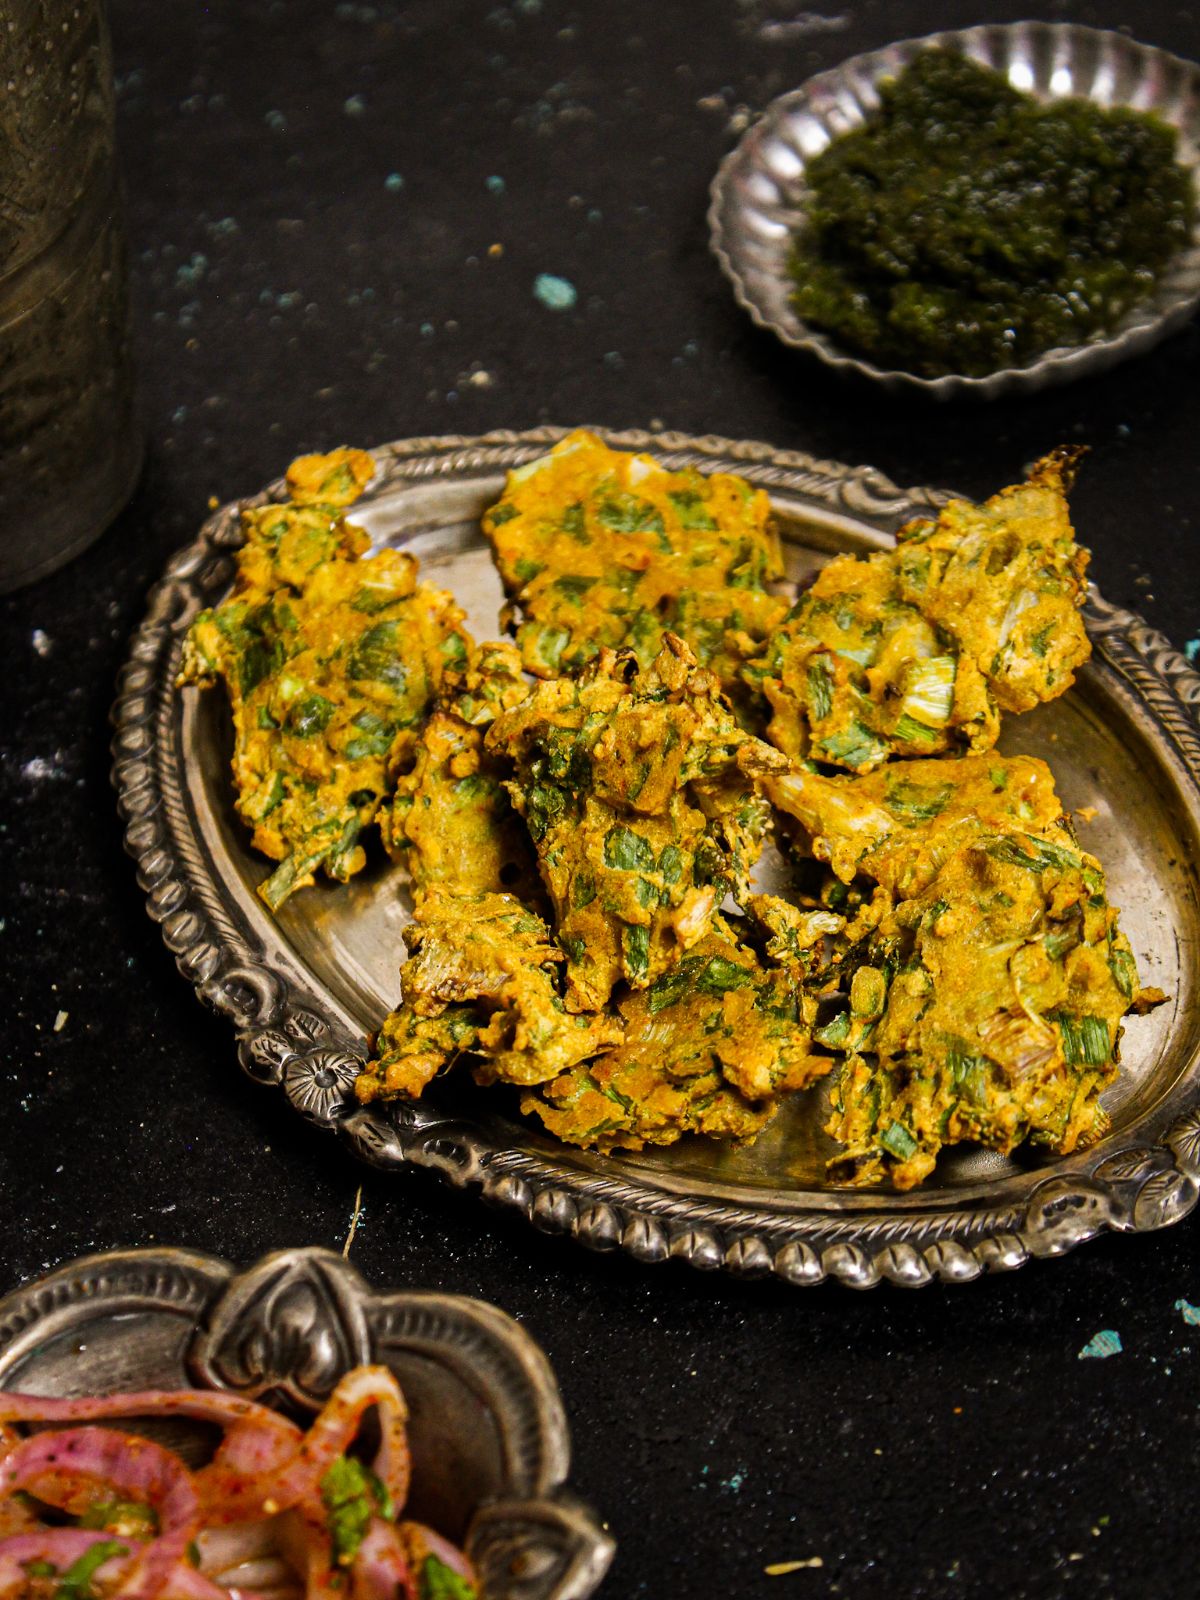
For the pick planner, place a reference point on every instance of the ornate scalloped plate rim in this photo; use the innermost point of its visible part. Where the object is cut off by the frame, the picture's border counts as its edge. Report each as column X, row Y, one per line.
column 285, row 1040
column 1144, row 326
column 506, row 1369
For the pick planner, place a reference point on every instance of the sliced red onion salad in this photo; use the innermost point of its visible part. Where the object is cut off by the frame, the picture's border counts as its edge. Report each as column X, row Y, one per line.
column 277, row 1514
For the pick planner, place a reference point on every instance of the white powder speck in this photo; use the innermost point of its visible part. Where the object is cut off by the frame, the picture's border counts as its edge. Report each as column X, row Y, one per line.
column 42, row 642
column 808, row 22
column 39, row 769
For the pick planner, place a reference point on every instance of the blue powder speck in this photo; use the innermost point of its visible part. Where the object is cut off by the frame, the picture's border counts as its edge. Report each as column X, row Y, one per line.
column 1102, row 1345
column 494, row 184
column 189, row 275
column 734, row 1482
column 595, row 215
column 556, row 294
column 276, row 120
column 1190, row 1313
column 1192, row 649
column 393, row 183
column 355, row 106
column 427, row 330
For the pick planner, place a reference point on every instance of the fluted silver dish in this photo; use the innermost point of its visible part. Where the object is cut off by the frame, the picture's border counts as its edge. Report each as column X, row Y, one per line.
column 759, row 194
column 488, row 1436
column 305, row 988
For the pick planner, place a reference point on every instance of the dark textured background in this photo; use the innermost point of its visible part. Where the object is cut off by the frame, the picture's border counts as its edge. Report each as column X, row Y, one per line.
column 289, row 297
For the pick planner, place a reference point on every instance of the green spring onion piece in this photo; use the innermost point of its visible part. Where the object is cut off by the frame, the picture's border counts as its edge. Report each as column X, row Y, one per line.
column 898, row 1141
column 929, row 691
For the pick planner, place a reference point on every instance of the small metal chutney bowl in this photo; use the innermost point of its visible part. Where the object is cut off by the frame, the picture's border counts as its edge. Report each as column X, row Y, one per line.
column 759, row 194
column 488, row 1436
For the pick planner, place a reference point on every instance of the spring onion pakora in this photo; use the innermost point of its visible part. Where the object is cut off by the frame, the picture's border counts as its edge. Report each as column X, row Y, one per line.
column 481, row 977
column 917, row 650
column 709, row 1048
column 331, row 659
column 642, row 820
column 451, row 821
column 600, row 548
column 985, row 998
column 577, row 846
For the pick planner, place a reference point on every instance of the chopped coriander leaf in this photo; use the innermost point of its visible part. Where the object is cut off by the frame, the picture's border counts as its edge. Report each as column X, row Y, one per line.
column 75, row 1581
column 129, row 1518
column 437, row 1581
column 352, row 1495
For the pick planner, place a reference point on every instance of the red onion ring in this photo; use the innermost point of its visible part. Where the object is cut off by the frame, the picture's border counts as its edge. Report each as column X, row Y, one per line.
column 61, row 1546
column 266, row 1476
column 381, row 1570
column 66, row 1467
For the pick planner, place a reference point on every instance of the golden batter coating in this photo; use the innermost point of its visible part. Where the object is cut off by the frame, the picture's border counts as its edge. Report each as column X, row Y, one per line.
column 600, row 548
column 451, row 821
column 331, row 659
column 918, row 649
column 336, row 479
column 481, row 977
column 872, row 824
column 985, row 997
column 642, row 819
column 710, row 1048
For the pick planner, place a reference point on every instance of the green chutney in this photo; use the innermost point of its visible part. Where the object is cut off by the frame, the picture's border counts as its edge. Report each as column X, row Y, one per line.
column 966, row 227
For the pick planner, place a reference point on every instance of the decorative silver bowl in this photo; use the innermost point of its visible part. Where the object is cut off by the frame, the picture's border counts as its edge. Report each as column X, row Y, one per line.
column 489, row 1440
column 759, row 194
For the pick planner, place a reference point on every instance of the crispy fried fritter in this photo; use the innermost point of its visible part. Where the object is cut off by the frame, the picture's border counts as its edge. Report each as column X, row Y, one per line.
column 642, row 820
column 807, row 940
column 480, row 978
column 991, row 1005
column 918, row 649
column 336, row 479
column 709, row 1048
column 451, row 821
column 600, row 548
column 331, row 660
column 873, row 824
column 985, row 999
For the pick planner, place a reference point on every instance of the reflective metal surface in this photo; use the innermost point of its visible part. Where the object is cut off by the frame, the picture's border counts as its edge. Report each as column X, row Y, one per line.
column 70, row 450
column 758, row 195
column 488, row 1436
column 305, row 989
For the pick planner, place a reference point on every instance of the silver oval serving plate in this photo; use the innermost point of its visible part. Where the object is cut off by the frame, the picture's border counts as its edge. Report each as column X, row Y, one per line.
column 486, row 1427
column 759, row 194
column 305, row 989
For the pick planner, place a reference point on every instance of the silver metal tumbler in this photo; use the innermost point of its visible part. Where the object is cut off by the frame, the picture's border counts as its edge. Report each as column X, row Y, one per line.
column 70, row 450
